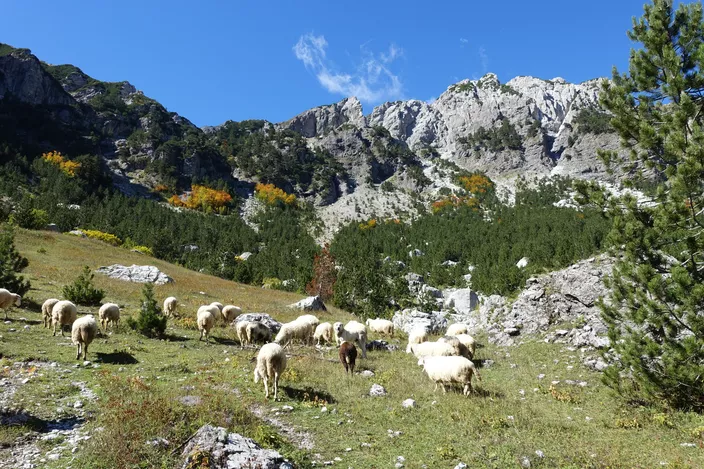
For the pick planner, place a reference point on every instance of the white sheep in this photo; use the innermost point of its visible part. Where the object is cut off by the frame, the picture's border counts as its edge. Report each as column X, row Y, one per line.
column 353, row 331
column 450, row 370
column 290, row 331
column 170, row 305
column 468, row 341
column 381, row 326
column 324, row 332
column 456, row 329
column 309, row 318
column 417, row 336
column 219, row 306
column 433, row 349
column 8, row 299
column 63, row 313
column 271, row 363
column 46, row 310
column 460, row 348
column 257, row 332
column 206, row 321
column 83, row 331
column 241, row 328
column 230, row 312
column 109, row 313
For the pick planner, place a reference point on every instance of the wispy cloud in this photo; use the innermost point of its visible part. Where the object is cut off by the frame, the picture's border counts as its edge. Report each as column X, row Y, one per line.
column 464, row 40
column 484, row 59
column 372, row 81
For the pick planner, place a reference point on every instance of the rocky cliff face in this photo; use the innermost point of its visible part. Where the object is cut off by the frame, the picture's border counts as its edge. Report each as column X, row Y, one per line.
column 23, row 77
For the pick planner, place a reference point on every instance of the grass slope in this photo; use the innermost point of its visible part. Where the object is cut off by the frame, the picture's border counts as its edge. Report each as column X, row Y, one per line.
column 150, row 388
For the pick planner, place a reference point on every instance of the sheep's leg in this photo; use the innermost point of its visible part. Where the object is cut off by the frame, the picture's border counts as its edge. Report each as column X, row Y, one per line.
column 444, row 389
column 78, row 351
column 363, row 346
column 467, row 389
column 436, row 387
column 54, row 329
column 266, row 387
column 351, row 368
column 62, row 330
column 276, row 384
column 201, row 335
column 85, row 352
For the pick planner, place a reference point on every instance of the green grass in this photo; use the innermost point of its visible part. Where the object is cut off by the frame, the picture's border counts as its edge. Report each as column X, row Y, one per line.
column 141, row 383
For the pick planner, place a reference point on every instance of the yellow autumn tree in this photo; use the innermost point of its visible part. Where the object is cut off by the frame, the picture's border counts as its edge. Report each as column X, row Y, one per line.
column 272, row 195
column 68, row 167
column 203, row 198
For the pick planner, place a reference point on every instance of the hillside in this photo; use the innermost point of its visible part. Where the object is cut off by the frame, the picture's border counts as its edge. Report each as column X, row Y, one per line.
column 138, row 390
column 332, row 156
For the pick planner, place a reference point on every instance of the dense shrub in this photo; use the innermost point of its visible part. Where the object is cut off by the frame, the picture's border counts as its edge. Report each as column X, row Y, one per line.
column 82, row 290
column 11, row 263
column 150, row 321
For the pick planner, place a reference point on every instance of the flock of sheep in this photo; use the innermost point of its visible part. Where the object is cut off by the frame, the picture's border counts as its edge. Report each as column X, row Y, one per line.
column 447, row 361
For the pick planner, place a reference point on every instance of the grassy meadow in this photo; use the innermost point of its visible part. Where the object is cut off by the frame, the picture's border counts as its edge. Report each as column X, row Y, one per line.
column 148, row 389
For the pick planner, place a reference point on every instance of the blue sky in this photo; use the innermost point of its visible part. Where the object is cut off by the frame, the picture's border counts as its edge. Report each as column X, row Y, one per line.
column 211, row 61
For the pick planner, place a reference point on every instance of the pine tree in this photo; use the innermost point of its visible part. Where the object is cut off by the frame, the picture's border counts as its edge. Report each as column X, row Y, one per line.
column 11, row 263
column 150, row 321
column 655, row 313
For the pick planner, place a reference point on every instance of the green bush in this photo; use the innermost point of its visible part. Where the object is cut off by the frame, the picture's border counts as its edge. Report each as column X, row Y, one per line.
column 82, row 290
column 150, row 322
column 25, row 215
column 11, row 262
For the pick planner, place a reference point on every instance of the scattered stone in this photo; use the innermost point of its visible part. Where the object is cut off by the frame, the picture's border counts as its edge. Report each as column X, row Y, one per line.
column 78, row 233
column 162, row 442
column 26, row 328
column 461, row 465
column 228, row 450
column 540, row 454
column 525, row 462
column 190, row 401
column 408, row 403
column 78, row 405
column 381, row 345
column 286, row 408
column 688, row 445
column 53, row 227
column 541, row 376
column 522, row 263
column 136, row 273
column 377, row 390
column 367, row 373
column 312, row 303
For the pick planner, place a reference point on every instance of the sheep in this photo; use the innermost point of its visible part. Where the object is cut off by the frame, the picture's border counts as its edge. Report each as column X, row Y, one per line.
column 309, row 318
column 433, row 349
column 348, row 355
column 83, row 332
column 461, row 348
column 241, row 328
column 449, row 370
column 468, row 341
column 417, row 336
column 295, row 330
column 271, row 363
column 206, row 320
column 381, row 326
column 325, row 332
column 230, row 312
column 46, row 310
column 353, row 331
column 109, row 313
column 257, row 332
column 63, row 314
column 170, row 305
column 7, row 299
column 457, row 328
column 219, row 306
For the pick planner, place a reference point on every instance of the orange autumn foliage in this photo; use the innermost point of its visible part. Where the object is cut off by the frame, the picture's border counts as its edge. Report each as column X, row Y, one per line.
column 67, row 166
column 272, row 195
column 453, row 202
column 476, row 184
column 368, row 225
column 203, row 198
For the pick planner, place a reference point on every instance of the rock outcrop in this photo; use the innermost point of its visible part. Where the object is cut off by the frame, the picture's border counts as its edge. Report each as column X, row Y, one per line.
column 322, row 119
column 136, row 273
column 409, row 319
column 312, row 303
column 265, row 319
column 223, row 450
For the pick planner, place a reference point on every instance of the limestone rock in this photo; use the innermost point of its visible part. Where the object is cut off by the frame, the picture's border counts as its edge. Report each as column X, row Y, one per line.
column 136, row 273
column 312, row 303
column 265, row 319
column 322, row 119
column 228, row 451
column 377, row 390
column 409, row 319
column 463, row 300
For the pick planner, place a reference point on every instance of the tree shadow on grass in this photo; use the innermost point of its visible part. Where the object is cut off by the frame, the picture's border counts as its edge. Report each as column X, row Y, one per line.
column 29, row 322
column 117, row 358
column 307, row 394
column 224, row 341
column 175, row 338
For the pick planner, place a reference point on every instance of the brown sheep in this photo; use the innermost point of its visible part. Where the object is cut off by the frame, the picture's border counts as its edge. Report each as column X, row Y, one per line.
column 348, row 355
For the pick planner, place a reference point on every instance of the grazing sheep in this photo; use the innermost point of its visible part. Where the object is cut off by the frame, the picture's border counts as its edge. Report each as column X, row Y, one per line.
column 417, row 336
column 353, row 331
column 7, row 299
column 206, row 321
column 63, row 314
column 461, row 348
column 433, row 349
column 325, row 332
column 46, row 310
column 170, row 305
column 219, row 306
column 301, row 330
column 230, row 312
column 257, row 332
column 109, row 313
column 468, row 341
column 457, row 328
column 83, row 332
column 450, row 370
column 309, row 318
column 348, row 355
column 241, row 327
column 381, row 326
column 271, row 363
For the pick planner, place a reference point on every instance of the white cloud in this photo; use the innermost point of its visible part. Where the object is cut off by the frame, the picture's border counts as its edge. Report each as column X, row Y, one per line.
column 484, row 58
column 371, row 82
column 464, row 40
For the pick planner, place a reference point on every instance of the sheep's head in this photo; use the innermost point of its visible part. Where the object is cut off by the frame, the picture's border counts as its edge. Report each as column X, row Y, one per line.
column 18, row 299
column 338, row 327
column 256, row 375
